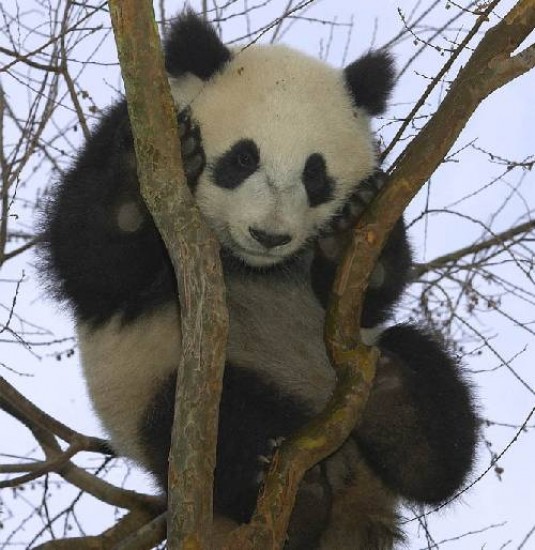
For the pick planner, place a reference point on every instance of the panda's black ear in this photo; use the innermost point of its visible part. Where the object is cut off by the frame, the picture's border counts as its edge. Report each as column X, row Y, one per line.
column 192, row 46
column 370, row 80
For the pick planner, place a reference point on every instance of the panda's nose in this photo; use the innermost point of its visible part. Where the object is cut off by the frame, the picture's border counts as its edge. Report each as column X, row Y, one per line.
column 269, row 240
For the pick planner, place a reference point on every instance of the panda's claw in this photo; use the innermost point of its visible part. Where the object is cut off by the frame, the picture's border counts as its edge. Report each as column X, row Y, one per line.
column 265, row 460
column 193, row 158
column 188, row 146
column 194, row 167
column 184, row 121
column 335, row 238
column 275, row 443
column 357, row 203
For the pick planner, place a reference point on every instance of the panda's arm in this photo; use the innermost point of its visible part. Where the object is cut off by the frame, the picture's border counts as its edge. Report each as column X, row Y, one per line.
column 101, row 248
column 253, row 419
column 391, row 273
column 419, row 428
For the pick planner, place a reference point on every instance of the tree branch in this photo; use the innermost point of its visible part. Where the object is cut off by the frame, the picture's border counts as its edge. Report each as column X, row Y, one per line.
column 195, row 256
column 14, row 403
column 112, row 539
column 499, row 239
column 146, row 536
column 45, row 428
column 483, row 18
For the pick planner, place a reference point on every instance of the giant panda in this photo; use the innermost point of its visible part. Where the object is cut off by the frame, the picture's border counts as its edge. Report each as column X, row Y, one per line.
column 278, row 152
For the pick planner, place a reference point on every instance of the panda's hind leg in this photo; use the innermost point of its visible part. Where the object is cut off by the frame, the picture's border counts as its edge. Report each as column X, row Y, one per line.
column 419, row 429
column 155, row 431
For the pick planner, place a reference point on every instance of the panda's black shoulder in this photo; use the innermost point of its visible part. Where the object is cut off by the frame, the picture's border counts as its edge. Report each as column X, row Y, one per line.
column 86, row 259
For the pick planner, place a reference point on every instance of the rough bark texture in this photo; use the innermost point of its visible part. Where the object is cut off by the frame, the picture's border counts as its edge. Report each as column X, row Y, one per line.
column 194, row 253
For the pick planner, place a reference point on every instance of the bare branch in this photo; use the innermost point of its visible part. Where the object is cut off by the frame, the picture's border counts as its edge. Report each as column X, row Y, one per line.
column 147, row 536
column 44, row 427
column 194, row 253
column 67, row 76
column 497, row 240
column 483, row 18
column 112, row 539
column 26, row 412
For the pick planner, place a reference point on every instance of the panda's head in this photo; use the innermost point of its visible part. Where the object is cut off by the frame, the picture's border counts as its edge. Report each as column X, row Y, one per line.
column 286, row 138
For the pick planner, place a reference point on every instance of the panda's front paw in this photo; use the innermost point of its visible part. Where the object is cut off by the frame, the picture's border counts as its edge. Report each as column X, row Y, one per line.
column 336, row 237
column 193, row 157
column 264, row 460
column 363, row 195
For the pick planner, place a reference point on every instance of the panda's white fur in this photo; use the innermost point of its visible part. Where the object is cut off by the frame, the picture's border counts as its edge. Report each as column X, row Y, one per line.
column 289, row 89
column 115, row 360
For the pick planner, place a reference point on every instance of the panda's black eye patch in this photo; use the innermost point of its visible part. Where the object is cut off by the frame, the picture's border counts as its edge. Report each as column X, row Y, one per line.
column 237, row 164
column 318, row 184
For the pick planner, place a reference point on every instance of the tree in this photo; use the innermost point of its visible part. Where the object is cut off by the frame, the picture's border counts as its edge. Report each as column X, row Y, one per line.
column 455, row 309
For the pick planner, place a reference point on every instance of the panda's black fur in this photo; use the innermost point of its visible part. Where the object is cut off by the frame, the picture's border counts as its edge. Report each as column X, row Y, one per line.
column 105, row 258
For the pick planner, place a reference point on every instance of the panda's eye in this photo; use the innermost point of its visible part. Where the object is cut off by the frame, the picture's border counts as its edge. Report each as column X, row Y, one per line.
column 236, row 164
column 314, row 167
column 244, row 159
column 317, row 182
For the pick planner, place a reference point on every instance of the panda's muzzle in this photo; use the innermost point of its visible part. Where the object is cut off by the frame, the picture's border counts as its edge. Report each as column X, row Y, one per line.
column 269, row 240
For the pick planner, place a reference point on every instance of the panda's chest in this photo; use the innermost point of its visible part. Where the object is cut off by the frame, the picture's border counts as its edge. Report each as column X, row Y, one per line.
column 276, row 329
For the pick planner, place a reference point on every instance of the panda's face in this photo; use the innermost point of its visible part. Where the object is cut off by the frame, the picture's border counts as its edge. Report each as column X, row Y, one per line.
column 284, row 148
